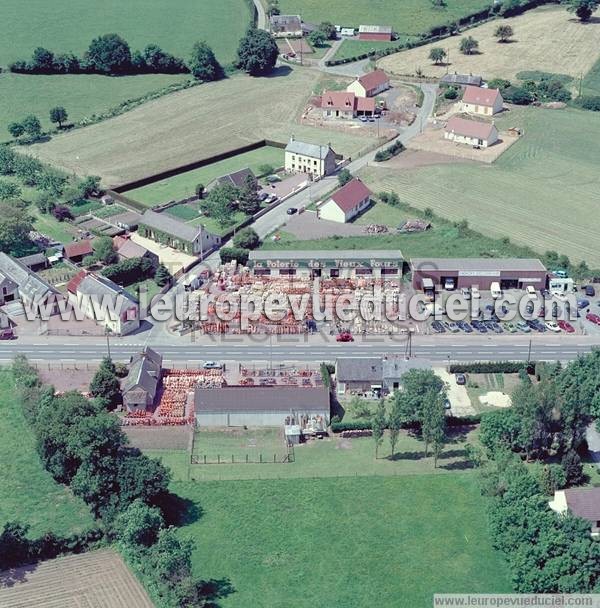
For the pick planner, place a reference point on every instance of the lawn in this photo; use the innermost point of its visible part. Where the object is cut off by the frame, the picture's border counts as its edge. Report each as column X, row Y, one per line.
column 173, row 24
column 183, row 185
column 29, row 494
column 538, row 193
column 406, row 17
column 578, row 44
column 197, row 123
column 349, row 542
column 47, row 224
column 591, row 81
column 354, row 48
column 480, row 384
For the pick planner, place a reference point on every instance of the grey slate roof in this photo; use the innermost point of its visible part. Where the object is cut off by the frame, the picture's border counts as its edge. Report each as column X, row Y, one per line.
column 130, row 249
column 34, row 259
column 394, row 367
column 96, row 285
column 31, row 286
column 286, row 23
column 329, row 254
column 144, row 371
column 358, row 369
column 519, row 264
column 170, row 225
column 462, row 79
column 261, row 399
column 311, row 150
column 236, row 179
column 584, row 502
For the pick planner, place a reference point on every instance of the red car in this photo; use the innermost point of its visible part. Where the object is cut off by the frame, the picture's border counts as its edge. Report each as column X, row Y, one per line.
column 593, row 318
column 345, row 336
column 566, row 326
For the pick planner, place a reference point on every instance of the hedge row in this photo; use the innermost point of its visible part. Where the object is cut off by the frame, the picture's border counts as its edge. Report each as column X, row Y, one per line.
column 493, row 367
column 340, row 427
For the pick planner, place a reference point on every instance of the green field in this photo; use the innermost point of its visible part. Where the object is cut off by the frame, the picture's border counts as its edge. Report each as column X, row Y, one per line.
column 541, row 192
column 349, row 543
column 70, row 26
column 29, row 494
column 591, row 81
column 183, row 185
column 406, row 17
column 354, row 48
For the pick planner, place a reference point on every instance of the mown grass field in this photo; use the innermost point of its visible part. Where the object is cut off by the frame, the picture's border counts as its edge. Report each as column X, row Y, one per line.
column 351, row 542
column 354, row 48
column 183, row 185
column 70, row 26
column 29, row 494
column 566, row 47
column 591, row 81
column 542, row 192
column 196, row 123
column 405, row 17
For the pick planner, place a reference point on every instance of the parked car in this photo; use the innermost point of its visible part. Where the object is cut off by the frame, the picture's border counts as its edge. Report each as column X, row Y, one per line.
column 461, row 379
column 561, row 274
column 438, row 327
column 449, row 284
column 522, row 326
column 363, row 119
column 497, row 328
column 594, row 318
column 552, row 326
column 212, row 365
column 292, row 210
column 7, row 334
column 344, row 336
column 582, row 303
column 452, row 327
column 271, row 198
column 479, row 326
column 466, row 293
column 465, row 327
column 511, row 328
column 263, row 196
column 590, row 291
column 447, row 404
column 566, row 326
column 536, row 325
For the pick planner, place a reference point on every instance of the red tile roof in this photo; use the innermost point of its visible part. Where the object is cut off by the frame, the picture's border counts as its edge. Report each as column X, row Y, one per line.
column 348, row 196
column 479, row 96
column 374, row 79
column 337, row 100
column 74, row 283
column 78, row 248
column 470, row 128
column 365, row 104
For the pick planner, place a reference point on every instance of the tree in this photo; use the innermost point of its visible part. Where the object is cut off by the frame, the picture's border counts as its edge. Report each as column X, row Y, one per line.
column 16, row 129
column 228, row 254
column 169, row 559
column 394, row 425
column 551, row 478
column 317, row 38
column 58, row 115
column 437, row 54
column 433, row 423
column 88, row 186
column 582, row 8
column 62, row 213
column 42, row 60
column 257, row 52
column 15, row 226
column 378, row 426
column 573, row 469
column 7, row 160
column 199, row 190
column 28, row 169
column 246, row 238
column 162, row 276
column 265, row 169
column 504, row 33
column 105, row 383
column 138, row 525
column 451, row 93
column 248, row 200
column 344, row 176
column 468, row 45
column 103, row 250
column 109, row 54
column 203, row 64
column 32, row 126
column 44, row 201
column 52, row 182
column 9, row 190
column 220, row 203
column 14, row 545
column 328, row 29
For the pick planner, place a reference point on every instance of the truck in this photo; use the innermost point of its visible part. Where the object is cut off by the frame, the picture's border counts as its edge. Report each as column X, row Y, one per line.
column 561, row 286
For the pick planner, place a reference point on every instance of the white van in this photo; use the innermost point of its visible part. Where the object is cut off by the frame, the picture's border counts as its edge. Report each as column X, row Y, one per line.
column 475, row 293
column 495, row 290
column 531, row 292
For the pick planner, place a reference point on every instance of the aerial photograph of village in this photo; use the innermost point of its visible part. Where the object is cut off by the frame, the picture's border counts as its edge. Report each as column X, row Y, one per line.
column 299, row 303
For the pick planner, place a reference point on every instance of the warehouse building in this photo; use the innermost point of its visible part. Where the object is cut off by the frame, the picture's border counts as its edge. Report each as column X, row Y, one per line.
column 328, row 264
column 261, row 406
column 510, row 273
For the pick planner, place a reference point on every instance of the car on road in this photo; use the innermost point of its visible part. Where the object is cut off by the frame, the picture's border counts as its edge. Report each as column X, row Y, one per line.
column 461, row 379
column 271, row 198
column 523, row 326
column 212, row 365
column 344, row 336
column 292, row 210
column 552, row 326
column 594, row 318
column 590, row 291
column 438, row 327
column 566, row 326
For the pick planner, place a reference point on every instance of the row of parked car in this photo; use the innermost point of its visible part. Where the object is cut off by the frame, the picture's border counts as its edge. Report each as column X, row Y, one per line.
column 499, row 327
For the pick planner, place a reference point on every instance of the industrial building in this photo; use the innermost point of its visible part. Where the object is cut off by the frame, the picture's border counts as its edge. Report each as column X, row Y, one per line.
column 328, row 264
column 260, row 406
column 510, row 273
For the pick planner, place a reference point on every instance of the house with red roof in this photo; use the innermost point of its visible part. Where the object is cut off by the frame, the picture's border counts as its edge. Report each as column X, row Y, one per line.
column 477, row 100
column 342, row 104
column 369, row 85
column 76, row 251
column 377, row 33
column 346, row 203
column 471, row 132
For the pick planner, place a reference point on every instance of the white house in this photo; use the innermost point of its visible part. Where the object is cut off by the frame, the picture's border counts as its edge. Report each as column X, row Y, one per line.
column 477, row 100
column 346, row 203
column 370, row 84
column 313, row 159
column 283, row 26
column 471, row 132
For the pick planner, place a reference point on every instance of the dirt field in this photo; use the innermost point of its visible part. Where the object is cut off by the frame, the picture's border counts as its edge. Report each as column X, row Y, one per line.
column 194, row 124
column 99, row 579
column 547, row 39
column 159, row 438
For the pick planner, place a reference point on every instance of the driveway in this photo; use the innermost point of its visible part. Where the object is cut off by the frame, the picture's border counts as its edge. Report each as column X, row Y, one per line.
column 457, row 395
column 306, row 226
column 593, row 438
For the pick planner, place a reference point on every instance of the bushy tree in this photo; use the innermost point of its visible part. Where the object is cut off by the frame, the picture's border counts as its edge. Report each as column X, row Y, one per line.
column 104, row 251
column 52, row 181
column 28, row 169
column 58, row 115
column 14, row 545
column 248, row 200
column 162, row 276
column 227, row 254
column 378, row 426
column 42, row 60
column 138, row 525
column 246, row 238
column 105, row 383
column 16, row 129
column 468, row 45
column 9, row 190
column 573, row 469
column 15, row 226
column 437, row 54
column 62, row 213
column 344, row 176
column 582, row 8
column 203, row 64
column 257, row 52
column 109, row 54
column 328, row 29
column 7, row 160
column 504, row 33
column 317, row 38
column 32, row 126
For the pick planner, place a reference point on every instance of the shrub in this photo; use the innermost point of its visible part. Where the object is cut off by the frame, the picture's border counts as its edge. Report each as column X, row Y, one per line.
column 451, row 93
column 492, row 367
column 246, row 238
column 589, row 102
column 229, row 254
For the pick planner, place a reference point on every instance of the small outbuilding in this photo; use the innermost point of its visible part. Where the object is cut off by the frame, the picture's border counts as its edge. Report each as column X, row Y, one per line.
column 377, row 33
column 283, row 26
column 461, row 80
column 346, row 203
column 471, row 132
column 76, row 251
column 369, row 85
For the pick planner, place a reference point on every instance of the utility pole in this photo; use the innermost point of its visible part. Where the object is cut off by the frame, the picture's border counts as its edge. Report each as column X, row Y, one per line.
column 108, row 342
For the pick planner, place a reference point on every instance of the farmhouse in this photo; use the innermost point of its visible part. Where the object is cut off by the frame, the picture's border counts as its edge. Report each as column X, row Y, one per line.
column 349, row 264
column 580, row 502
column 477, row 100
column 76, row 251
column 18, row 281
column 140, row 386
column 346, row 203
column 237, row 179
column 471, row 132
column 170, row 231
column 461, row 80
column 127, row 249
column 314, row 159
column 283, row 26
column 341, row 104
column 120, row 312
column 511, row 273
column 379, row 33
column 370, row 84
column 260, row 405
column 362, row 374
